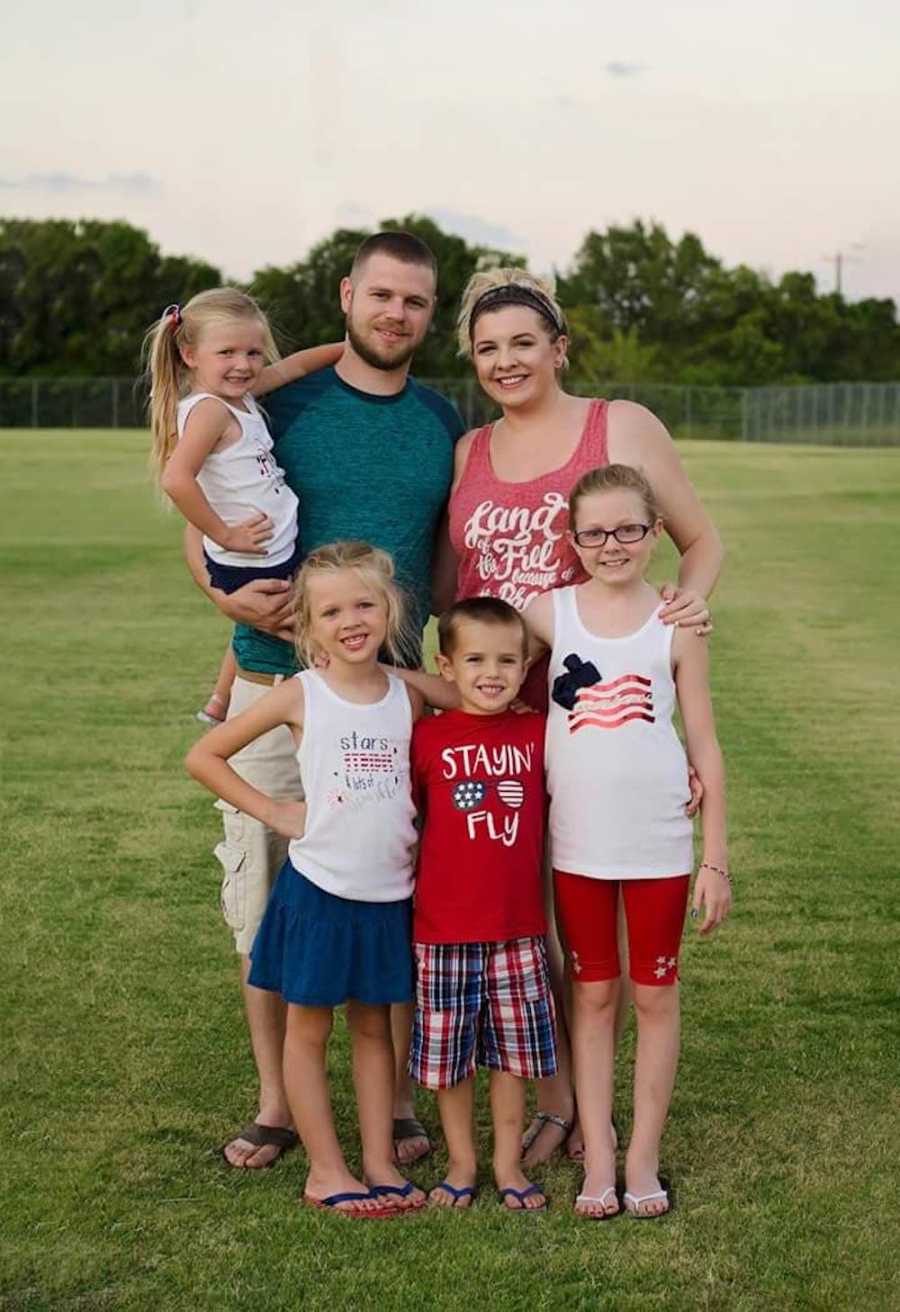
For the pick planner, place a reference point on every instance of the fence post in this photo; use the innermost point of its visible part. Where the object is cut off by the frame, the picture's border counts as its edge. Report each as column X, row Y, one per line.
column 34, row 403
column 745, row 413
column 115, row 402
column 687, row 412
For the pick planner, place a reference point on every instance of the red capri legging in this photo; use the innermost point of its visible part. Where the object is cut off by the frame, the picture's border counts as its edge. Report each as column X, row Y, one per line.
column 587, row 911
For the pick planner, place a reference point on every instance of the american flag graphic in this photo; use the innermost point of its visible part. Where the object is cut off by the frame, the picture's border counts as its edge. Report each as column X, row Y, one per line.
column 369, row 762
column 610, row 705
column 472, row 792
column 468, row 794
column 511, row 792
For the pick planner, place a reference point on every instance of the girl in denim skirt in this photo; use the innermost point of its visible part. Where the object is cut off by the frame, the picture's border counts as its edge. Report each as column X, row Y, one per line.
column 337, row 927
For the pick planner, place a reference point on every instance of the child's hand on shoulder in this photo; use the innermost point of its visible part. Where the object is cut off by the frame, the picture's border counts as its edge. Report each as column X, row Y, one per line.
column 288, row 819
column 712, row 894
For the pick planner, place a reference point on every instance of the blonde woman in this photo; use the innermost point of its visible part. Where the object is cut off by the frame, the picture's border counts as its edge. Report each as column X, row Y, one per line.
column 508, row 514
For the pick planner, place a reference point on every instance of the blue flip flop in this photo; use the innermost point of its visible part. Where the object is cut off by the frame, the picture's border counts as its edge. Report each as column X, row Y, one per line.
column 351, row 1213
column 521, row 1195
column 467, row 1191
column 398, row 1191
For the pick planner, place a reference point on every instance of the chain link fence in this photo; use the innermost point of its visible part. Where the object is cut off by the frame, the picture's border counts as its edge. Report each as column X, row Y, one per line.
column 835, row 414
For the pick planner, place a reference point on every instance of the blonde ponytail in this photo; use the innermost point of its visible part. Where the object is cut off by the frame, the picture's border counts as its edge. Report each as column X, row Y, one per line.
column 168, row 375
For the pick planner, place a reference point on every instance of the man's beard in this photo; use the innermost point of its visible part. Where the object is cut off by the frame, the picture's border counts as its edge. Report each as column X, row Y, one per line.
column 369, row 354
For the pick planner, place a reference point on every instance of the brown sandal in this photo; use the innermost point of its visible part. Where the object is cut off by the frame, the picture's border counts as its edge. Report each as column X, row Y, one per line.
column 263, row 1136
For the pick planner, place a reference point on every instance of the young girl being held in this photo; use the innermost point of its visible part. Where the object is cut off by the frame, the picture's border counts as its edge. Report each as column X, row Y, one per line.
column 618, row 783
column 337, row 928
column 212, row 452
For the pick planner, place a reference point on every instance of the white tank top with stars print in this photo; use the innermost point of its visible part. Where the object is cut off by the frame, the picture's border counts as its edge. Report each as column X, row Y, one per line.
column 354, row 766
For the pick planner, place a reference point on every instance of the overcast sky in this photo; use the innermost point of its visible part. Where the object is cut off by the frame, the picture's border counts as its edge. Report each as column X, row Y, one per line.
column 245, row 132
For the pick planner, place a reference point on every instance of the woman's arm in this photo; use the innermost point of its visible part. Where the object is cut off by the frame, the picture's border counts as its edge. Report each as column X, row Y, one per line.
column 538, row 617
column 297, row 365
column 460, row 457
column 208, row 759
column 711, row 889
column 444, row 569
column 207, row 424
column 636, row 437
column 446, row 565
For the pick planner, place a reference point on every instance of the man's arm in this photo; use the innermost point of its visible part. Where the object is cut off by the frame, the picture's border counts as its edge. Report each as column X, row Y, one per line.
column 265, row 604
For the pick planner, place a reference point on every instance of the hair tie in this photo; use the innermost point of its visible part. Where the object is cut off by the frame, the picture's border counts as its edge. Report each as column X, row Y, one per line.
column 517, row 293
column 173, row 312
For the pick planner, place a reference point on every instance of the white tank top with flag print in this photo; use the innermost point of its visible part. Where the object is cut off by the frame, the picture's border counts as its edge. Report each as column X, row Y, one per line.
column 354, row 765
column 242, row 478
column 616, row 768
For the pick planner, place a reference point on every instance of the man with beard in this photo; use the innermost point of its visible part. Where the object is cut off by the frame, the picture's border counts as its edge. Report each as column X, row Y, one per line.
column 369, row 453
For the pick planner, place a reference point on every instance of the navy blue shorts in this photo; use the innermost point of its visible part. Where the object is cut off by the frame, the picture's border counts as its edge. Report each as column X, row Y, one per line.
column 319, row 950
column 228, row 578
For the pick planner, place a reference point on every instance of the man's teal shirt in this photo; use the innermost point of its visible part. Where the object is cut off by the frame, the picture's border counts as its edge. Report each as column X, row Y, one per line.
column 374, row 468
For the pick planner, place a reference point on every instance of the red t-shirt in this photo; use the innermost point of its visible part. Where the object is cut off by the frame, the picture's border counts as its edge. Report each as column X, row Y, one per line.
column 478, row 781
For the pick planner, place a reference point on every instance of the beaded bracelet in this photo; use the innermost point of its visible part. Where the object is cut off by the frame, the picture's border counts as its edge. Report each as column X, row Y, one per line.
column 705, row 865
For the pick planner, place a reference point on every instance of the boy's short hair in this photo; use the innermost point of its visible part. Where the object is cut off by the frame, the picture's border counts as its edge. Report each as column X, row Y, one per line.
column 485, row 610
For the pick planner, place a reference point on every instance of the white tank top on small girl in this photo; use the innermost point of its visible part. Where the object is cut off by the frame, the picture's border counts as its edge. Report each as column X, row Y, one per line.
column 243, row 478
column 616, row 768
column 354, row 764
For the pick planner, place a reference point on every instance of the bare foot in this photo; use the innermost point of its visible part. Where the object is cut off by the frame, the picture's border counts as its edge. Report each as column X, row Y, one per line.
column 249, row 1150
column 393, row 1190
column 325, row 1184
column 411, row 1143
column 598, row 1189
column 517, row 1193
column 457, row 1189
column 644, row 1195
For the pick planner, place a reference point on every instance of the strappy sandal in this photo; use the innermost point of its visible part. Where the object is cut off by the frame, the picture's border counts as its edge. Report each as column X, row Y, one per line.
column 539, row 1122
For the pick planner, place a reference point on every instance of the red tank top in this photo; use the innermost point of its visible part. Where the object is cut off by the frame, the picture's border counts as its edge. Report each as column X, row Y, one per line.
column 509, row 538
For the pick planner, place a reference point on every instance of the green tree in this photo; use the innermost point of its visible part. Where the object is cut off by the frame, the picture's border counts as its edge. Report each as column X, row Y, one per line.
column 79, row 295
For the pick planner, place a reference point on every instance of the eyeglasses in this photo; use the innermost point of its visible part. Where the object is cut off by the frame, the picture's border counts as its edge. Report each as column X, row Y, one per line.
column 625, row 533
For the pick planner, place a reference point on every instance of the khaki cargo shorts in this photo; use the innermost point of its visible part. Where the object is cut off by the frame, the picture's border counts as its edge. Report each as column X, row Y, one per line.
column 252, row 854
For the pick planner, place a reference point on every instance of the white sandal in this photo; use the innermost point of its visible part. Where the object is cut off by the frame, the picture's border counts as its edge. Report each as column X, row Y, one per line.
column 590, row 1198
column 633, row 1202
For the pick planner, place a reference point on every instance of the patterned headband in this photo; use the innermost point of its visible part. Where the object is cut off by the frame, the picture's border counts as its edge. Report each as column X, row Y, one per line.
column 517, row 293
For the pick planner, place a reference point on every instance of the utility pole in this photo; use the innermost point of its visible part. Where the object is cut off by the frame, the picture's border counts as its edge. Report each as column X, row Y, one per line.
column 838, row 259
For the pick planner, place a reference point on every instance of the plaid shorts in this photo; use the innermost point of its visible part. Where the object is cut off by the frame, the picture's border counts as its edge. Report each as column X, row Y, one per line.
column 482, row 1004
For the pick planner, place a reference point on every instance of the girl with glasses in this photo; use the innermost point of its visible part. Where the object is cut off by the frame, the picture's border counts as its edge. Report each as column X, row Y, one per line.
column 508, row 516
column 618, row 781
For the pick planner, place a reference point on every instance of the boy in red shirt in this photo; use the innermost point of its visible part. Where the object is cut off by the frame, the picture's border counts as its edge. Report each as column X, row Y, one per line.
column 483, row 993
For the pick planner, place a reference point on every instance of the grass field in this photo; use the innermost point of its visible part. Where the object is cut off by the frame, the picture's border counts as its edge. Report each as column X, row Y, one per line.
column 124, row 1058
